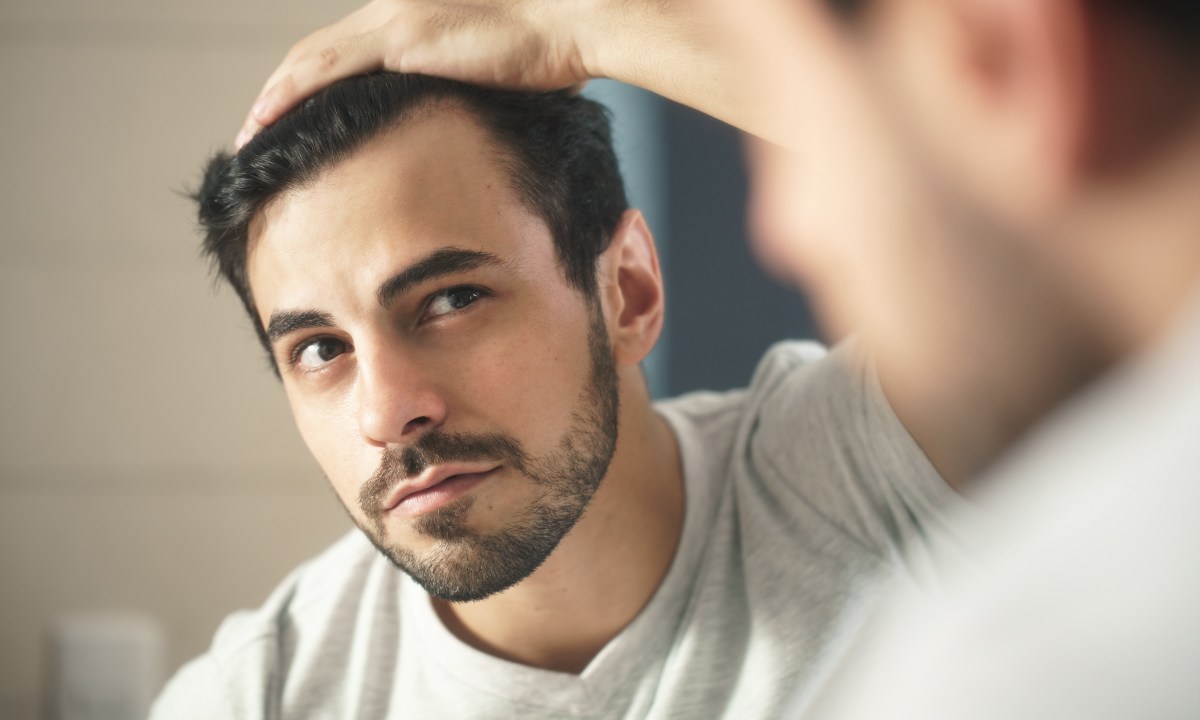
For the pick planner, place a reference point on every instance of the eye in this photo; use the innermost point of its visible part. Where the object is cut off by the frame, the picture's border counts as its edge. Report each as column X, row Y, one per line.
column 317, row 352
column 451, row 300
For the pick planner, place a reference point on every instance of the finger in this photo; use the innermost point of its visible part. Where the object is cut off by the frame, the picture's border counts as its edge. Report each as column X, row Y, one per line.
column 316, row 70
column 347, row 27
column 248, row 131
column 250, row 126
column 359, row 22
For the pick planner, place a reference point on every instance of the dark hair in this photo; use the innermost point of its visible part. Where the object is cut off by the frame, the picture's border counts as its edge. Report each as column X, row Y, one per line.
column 1176, row 21
column 556, row 147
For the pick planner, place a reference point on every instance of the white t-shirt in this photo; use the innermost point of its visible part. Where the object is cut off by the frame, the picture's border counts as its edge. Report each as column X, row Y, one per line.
column 1085, row 603
column 798, row 490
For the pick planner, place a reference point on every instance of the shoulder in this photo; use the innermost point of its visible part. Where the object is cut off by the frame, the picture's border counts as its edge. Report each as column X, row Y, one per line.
column 811, row 407
column 314, row 591
column 256, row 652
column 831, row 395
column 717, row 417
column 784, row 360
column 820, row 439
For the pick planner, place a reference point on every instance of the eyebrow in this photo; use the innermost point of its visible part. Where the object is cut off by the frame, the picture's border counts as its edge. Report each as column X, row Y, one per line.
column 288, row 321
column 445, row 261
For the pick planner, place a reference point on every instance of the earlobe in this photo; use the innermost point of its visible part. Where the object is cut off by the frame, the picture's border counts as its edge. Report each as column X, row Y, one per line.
column 636, row 296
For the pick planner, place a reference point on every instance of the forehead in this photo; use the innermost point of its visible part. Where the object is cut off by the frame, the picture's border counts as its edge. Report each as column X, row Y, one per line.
column 435, row 181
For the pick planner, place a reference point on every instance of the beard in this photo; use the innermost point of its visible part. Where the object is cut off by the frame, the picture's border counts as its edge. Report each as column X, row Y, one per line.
column 467, row 565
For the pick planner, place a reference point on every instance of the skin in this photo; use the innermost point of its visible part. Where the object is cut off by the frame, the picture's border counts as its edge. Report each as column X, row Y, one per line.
column 515, row 361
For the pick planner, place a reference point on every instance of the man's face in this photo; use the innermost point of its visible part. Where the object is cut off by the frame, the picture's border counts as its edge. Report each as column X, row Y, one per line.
column 867, row 205
column 458, row 393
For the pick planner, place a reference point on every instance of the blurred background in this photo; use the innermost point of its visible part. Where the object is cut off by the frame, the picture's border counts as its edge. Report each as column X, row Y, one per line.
column 151, row 480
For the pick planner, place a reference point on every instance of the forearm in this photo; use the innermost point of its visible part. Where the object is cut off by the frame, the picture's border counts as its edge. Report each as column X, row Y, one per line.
column 679, row 49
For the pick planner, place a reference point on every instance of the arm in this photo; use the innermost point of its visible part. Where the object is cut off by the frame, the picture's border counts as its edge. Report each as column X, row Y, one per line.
column 680, row 49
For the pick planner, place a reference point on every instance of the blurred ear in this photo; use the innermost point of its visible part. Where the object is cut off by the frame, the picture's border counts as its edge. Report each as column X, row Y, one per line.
column 631, row 289
column 998, row 90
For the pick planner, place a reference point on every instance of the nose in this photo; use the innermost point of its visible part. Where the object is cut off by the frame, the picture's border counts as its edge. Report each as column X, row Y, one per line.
column 398, row 399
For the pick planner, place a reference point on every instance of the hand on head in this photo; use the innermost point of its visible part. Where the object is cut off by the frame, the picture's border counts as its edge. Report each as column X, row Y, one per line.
column 520, row 44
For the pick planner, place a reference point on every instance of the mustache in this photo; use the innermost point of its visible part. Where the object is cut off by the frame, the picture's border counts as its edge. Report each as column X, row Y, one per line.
column 435, row 448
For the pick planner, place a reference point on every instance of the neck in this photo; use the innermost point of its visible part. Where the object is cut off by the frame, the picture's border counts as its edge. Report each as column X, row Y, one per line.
column 605, row 570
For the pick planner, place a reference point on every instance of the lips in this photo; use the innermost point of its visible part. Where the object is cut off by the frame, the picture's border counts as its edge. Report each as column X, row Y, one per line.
column 435, row 486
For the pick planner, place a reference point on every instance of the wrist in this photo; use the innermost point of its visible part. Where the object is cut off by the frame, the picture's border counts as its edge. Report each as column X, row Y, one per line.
column 591, row 32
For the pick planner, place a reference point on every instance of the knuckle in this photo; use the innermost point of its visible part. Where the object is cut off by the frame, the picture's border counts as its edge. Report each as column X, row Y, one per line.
column 297, row 50
column 286, row 87
column 394, row 58
column 328, row 58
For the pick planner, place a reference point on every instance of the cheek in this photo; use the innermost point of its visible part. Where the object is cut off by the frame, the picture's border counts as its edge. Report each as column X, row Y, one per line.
column 330, row 431
column 524, row 381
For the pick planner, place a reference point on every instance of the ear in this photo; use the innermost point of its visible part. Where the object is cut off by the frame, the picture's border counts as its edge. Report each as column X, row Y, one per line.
column 631, row 290
column 1002, row 88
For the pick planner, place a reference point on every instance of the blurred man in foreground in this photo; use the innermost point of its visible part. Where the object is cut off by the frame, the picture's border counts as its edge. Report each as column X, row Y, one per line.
column 1000, row 194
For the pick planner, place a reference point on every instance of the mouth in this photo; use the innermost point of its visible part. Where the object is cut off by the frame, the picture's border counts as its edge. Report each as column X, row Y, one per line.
column 435, row 487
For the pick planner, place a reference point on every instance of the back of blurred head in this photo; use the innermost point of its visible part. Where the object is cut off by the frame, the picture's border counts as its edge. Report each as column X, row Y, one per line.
column 997, row 193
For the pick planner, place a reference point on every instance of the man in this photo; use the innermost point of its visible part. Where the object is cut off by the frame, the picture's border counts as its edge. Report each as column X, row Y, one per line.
column 1000, row 195
column 457, row 299
column 1049, row 154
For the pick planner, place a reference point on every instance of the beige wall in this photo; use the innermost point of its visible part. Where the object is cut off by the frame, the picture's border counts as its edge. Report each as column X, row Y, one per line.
column 147, row 459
